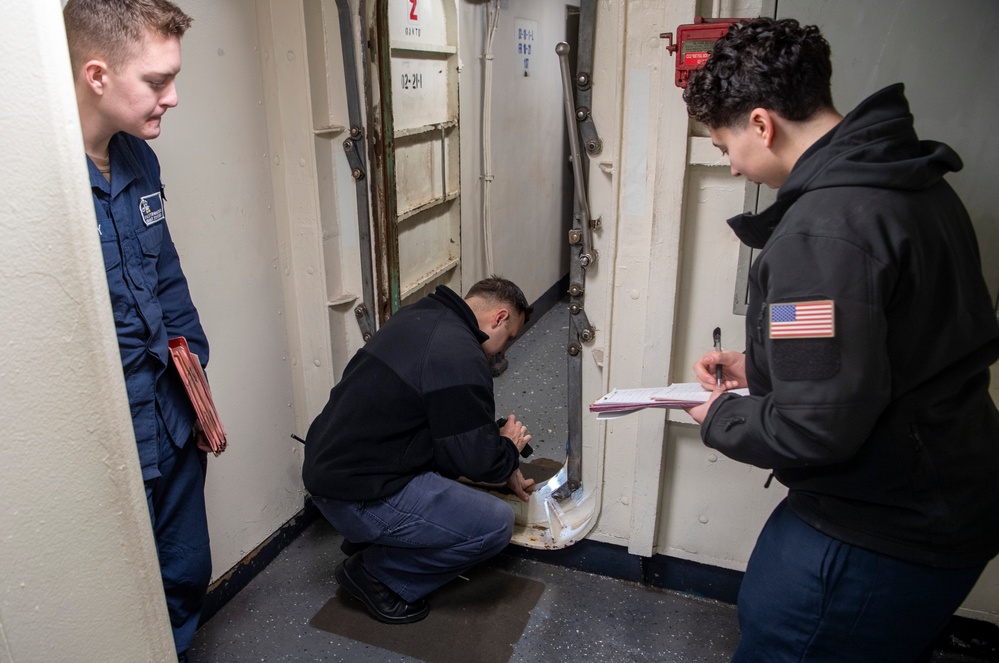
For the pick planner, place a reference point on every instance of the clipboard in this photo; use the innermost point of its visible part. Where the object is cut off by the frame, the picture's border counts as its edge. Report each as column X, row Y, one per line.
column 196, row 385
column 621, row 402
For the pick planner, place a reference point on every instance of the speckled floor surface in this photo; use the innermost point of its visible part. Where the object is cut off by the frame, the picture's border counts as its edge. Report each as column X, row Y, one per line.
column 580, row 617
column 533, row 387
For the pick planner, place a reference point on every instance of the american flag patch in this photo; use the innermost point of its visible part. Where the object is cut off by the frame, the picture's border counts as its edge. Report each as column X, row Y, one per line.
column 802, row 320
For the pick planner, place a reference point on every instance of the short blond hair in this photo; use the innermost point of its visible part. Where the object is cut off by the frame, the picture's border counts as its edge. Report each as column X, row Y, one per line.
column 113, row 29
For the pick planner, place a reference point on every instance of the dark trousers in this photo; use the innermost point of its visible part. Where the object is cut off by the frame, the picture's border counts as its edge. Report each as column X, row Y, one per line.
column 809, row 598
column 426, row 534
column 176, row 502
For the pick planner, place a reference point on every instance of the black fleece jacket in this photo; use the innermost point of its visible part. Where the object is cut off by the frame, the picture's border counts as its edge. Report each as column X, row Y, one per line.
column 417, row 398
column 885, row 434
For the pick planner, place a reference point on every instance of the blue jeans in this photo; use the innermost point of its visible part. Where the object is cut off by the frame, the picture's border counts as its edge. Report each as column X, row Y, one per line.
column 426, row 534
column 808, row 598
column 176, row 501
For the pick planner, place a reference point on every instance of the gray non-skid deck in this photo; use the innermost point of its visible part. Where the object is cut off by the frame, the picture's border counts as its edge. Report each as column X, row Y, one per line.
column 580, row 616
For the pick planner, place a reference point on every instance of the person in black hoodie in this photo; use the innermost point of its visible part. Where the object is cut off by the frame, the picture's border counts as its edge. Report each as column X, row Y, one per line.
column 869, row 337
column 414, row 411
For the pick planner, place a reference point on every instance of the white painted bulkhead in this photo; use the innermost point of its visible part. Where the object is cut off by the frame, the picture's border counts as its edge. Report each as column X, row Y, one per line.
column 531, row 181
column 262, row 210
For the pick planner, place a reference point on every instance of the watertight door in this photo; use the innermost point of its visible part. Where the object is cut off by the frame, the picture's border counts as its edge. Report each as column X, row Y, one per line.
column 414, row 88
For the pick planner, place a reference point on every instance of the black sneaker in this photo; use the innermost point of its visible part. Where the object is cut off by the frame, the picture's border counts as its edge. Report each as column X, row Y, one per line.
column 382, row 603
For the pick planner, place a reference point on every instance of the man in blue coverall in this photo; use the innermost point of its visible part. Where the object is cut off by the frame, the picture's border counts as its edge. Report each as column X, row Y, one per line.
column 125, row 56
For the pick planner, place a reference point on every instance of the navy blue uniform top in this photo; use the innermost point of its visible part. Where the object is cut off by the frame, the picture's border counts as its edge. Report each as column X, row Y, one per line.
column 149, row 295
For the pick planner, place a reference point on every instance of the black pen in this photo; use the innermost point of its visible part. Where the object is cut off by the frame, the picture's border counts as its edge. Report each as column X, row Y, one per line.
column 718, row 367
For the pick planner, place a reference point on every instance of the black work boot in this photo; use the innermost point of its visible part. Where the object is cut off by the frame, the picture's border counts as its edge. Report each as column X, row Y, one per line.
column 384, row 605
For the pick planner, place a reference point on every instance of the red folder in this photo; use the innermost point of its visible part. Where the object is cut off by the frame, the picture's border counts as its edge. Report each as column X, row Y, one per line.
column 196, row 384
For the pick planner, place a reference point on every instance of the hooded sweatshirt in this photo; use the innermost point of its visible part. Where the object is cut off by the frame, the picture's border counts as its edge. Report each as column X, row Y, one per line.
column 880, row 424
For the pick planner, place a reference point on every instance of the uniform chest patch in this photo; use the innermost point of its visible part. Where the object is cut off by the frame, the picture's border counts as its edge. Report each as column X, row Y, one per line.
column 151, row 208
column 811, row 319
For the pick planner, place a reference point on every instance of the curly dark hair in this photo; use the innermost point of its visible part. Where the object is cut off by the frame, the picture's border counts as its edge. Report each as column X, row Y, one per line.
column 762, row 63
column 500, row 290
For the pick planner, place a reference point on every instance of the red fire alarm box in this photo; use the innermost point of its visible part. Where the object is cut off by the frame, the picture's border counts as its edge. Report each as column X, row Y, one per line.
column 694, row 42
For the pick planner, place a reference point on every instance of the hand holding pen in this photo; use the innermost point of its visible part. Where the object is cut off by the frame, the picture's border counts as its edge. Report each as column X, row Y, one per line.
column 721, row 369
column 718, row 371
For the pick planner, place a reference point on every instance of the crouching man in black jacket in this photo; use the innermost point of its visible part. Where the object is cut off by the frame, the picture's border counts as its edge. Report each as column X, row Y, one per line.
column 413, row 411
column 869, row 337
